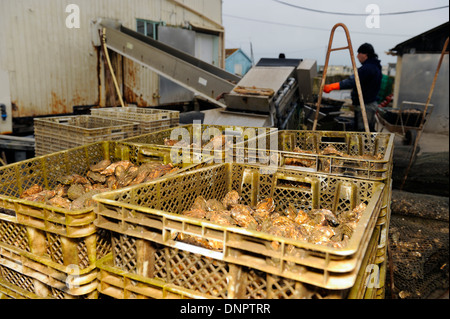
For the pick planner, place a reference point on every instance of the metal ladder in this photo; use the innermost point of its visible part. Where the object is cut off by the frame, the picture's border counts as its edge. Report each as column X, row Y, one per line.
column 355, row 72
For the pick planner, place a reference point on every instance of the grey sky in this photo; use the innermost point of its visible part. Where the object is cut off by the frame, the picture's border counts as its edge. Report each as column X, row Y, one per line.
column 274, row 27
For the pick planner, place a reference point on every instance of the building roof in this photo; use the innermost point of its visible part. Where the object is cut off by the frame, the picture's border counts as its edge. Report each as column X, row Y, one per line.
column 229, row 52
column 430, row 41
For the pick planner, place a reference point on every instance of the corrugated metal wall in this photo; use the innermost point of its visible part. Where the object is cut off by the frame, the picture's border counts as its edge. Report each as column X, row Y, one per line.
column 52, row 68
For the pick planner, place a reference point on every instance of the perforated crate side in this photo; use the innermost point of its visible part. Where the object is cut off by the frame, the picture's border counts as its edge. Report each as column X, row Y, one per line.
column 48, row 169
column 141, row 269
column 54, row 265
column 135, row 113
column 140, row 212
column 149, row 119
column 55, row 236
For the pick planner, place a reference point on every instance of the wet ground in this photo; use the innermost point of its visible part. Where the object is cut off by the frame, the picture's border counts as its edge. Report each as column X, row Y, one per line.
column 419, row 228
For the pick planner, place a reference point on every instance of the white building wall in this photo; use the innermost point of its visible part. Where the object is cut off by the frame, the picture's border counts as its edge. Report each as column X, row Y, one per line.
column 52, row 68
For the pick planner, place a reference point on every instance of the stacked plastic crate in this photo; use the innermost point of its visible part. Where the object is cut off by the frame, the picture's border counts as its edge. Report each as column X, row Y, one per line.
column 150, row 260
column 359, row 155
column 53, row 134
column 149, row 119
column 47, row 251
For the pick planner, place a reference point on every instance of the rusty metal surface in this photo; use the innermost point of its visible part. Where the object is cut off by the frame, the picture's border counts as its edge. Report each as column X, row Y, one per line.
column 52, row 68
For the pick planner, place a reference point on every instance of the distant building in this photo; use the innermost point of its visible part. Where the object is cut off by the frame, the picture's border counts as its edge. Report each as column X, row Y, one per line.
column 237, row 62
column 417, row 61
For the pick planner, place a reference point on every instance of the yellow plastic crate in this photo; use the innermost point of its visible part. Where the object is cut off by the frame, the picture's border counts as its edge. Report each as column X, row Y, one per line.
column 63, row 240
column 53, row 134
column 152, row 211
column 360, row 155
column 20, row 279
column 149, row 119
column 193, row 140
column 174, row 273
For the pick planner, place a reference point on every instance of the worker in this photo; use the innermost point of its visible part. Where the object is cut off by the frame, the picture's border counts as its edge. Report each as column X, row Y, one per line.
column 370, row 79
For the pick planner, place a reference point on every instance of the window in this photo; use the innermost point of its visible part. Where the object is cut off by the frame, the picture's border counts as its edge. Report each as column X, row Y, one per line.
column 148, row 28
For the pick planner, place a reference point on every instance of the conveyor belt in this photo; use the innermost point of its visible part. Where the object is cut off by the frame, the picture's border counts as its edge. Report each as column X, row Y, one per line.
column 196, row 75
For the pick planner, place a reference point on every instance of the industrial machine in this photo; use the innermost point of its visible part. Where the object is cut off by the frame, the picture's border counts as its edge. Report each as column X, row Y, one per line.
column 269, row 95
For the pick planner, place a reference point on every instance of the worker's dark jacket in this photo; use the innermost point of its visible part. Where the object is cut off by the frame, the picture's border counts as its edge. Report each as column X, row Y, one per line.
column 370, row 80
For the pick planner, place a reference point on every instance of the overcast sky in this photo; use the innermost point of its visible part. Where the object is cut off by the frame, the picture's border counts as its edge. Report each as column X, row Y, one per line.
column 274, row 26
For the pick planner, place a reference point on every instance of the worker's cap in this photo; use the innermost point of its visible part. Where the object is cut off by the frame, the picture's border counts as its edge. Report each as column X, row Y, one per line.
column 366, row 48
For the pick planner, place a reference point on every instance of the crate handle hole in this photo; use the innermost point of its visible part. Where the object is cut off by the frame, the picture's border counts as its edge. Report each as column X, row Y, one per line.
column 294, row 184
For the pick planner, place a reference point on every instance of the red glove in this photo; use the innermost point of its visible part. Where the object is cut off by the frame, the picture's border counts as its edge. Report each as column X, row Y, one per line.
column 330, row 87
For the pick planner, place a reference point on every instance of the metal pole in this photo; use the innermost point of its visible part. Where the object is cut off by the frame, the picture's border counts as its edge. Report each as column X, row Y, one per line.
column 116, row 85
column 419, row 133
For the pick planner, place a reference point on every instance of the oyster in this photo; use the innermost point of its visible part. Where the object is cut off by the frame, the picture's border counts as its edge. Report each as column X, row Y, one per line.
column 127, row 176
column 352, row 215
column 142, row 172
column 317, row 226
column 169, row 142
column 302, row 162
column 59, row 201
column 41, row 196
column 159, row 171
column 331, row 150
column 96, row 177
column 321, row 234
column 230, row 199
column 243, row 216
column 61, row 190
column 290, row 212
column 263, row 209
column 200, row 203
column 75, row 191
column 71, row 179
column 86, row 199
column 214, row 205
column 302, row 217
column 32, row 191
column 221, row 217
column 100, row 166
column 216, row 143
column 112, row 167
column 196, row 213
